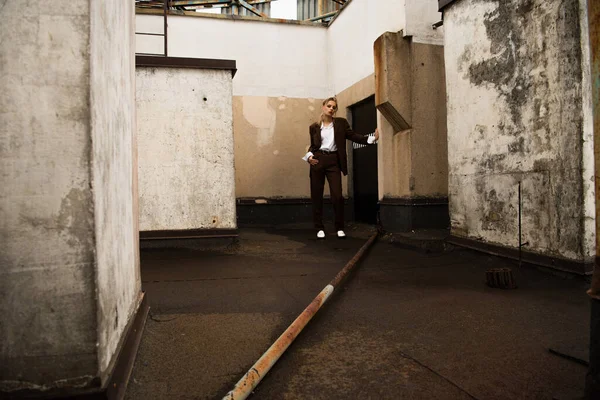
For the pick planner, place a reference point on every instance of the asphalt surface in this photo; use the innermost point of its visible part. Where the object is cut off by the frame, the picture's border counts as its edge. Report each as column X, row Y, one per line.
column 407, row 324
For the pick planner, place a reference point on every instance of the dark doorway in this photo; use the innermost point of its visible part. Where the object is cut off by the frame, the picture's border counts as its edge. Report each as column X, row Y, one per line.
column 364, row 121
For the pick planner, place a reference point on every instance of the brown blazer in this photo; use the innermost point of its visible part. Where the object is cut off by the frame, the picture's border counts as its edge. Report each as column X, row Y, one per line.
column 341, row 132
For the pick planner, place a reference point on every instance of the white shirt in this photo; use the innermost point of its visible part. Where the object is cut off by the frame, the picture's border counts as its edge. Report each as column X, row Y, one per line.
column 328, row 140
column 327, row 137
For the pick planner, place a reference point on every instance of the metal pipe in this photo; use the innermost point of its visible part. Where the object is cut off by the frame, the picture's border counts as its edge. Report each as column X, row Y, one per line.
column 250, row 380
column 165, row 9
column 520, row 243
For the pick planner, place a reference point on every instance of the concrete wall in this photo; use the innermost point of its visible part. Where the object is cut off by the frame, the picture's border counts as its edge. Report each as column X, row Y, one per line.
column 47, row 256
column 284, row 72
column 429, row 147
column 271, row 136
column 351, row 36
column 420, row 16
column 113, row 154
column 516, row 112
column 276, row 91
column 66, row 211
column 413, row 152
column 273, row 59
column 185, row 139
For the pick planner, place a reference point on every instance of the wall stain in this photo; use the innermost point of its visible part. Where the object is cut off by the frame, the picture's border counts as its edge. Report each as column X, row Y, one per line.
column 534, row 66
column 493, row 162
column 75, row 218
column 518, row 146
column 494, row 217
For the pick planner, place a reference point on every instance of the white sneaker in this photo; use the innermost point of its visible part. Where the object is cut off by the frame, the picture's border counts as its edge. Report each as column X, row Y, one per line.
column 341, row 234
column 320, row 235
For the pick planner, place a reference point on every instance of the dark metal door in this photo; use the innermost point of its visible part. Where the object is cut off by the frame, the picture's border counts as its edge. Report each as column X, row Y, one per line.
column 364, row 121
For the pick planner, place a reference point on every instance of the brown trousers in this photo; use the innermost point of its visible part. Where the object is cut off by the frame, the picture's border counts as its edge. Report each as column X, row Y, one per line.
column 328, row 166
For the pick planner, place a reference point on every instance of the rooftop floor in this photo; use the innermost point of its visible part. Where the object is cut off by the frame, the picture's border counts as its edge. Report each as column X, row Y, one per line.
column 408, row 324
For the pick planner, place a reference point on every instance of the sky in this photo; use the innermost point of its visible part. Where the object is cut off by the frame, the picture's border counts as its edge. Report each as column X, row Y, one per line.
column 285, row 9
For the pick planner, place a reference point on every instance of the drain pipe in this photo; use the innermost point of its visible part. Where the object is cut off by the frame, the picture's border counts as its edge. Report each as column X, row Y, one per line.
column 250, row 380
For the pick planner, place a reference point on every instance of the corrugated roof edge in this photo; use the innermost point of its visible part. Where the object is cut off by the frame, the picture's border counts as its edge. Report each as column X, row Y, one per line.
column 230, row 17
column 444, row 3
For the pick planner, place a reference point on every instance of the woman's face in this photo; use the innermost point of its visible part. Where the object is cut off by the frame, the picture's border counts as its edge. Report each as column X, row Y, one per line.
column 330, row 108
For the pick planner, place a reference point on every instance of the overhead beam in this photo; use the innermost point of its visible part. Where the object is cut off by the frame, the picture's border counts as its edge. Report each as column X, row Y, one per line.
column 227, row 3
column 330, row 14
column 251, row 9
column 190, row 3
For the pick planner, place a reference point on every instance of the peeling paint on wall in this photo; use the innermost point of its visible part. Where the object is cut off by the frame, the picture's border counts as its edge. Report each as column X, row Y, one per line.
column 272, row 139
column 259, row 114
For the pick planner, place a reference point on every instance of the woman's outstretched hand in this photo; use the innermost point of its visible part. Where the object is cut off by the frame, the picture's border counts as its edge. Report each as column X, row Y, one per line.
column 312, row 160
column 376, row 133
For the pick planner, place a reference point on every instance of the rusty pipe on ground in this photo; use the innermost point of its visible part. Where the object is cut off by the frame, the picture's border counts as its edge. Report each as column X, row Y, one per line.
column 251, row 379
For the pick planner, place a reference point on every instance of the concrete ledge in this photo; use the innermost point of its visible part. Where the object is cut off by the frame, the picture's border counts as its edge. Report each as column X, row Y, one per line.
column 278, row 211
column 557, row 263
column 183, row 62
column 406, row 214
column 117, row 384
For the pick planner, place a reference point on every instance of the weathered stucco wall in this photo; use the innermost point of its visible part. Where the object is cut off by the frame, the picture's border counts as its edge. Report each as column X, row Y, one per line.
column 47, row 253
column 515, row 113
column 185, row 142
column 112, row 104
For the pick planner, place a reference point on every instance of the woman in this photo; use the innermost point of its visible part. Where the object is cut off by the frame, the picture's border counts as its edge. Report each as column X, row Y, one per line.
column 327, row 158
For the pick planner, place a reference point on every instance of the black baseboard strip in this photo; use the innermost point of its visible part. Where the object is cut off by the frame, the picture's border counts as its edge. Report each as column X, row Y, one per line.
column 117, row 384
column 275, row 211
column 189, row 234
column 407, row 214
column 560, row 264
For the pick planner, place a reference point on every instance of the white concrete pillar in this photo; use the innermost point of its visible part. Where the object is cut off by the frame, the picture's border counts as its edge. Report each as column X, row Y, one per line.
column 69, row 266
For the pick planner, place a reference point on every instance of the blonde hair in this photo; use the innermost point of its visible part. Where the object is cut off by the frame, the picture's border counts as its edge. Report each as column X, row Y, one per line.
column 327, row 100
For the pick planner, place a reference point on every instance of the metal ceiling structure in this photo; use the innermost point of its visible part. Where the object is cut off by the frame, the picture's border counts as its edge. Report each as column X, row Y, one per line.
column 319, row 10
column 259, row 8
column 308, row 10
